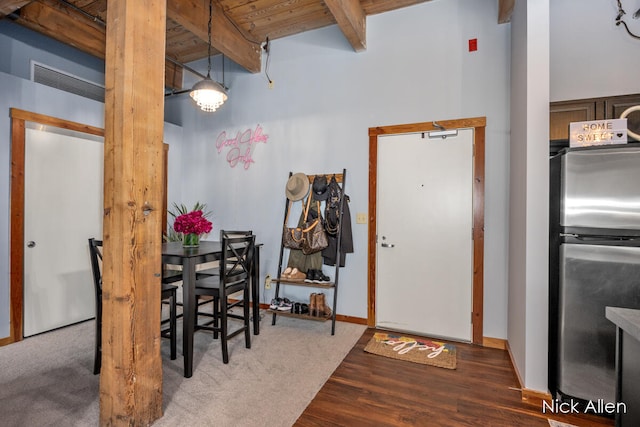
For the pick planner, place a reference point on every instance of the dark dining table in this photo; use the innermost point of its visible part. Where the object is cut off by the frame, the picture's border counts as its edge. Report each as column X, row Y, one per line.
column 175, row 254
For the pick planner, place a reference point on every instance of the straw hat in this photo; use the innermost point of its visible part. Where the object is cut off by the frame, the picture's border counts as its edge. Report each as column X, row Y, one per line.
column 297, row 187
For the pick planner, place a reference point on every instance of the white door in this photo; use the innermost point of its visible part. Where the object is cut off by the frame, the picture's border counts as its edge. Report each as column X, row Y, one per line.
column 62, row 210
column 424, row 249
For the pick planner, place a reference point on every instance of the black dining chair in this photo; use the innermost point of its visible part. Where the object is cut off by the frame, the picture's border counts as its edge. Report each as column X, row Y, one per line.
column 168, row 295
column 234, row 276
column 214, row 271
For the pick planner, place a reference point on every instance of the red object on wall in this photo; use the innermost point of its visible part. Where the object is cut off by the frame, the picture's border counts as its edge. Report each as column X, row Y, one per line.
column 473, row 45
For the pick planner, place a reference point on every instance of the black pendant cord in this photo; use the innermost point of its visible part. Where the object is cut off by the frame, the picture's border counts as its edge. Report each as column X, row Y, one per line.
column 209, row 47
column 619, row 20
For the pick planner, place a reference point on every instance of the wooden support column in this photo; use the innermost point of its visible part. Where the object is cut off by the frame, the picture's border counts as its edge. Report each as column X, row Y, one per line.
column 131, row 376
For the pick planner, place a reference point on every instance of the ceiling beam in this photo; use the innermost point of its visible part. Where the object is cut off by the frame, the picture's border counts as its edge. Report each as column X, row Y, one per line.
column 505, row 9
column 71, row 27
column 351, row 20
column 10, row 6
column 193, row 15
column 64, row 25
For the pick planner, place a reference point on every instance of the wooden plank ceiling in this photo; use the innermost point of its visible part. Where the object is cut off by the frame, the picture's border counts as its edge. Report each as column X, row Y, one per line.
column 239, row 27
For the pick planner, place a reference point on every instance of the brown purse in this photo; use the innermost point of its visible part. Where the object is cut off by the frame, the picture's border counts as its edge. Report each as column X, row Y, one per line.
column 292, row 237
column 313, row 234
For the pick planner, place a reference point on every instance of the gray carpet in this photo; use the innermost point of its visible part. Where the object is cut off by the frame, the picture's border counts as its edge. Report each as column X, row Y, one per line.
column 47, row 380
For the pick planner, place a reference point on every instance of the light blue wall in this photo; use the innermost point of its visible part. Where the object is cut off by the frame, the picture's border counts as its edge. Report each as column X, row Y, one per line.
column 416, row 68
column 18, row 50
column 33, row 97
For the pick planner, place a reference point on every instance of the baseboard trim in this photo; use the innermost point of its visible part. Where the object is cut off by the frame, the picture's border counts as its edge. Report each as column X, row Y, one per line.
column 6, row 341
column 534, row 397
column 498, row 343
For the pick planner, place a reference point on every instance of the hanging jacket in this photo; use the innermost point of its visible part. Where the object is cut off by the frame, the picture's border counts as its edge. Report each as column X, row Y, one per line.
column 329, row 254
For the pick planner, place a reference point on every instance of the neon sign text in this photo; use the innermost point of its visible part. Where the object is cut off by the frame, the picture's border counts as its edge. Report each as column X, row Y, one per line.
column 241, row 147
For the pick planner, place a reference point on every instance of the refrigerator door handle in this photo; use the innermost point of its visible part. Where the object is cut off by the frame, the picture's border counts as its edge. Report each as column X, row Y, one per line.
column 600, row 240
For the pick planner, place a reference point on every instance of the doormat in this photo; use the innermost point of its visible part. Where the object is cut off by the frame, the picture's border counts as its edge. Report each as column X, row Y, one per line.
column 417, row 350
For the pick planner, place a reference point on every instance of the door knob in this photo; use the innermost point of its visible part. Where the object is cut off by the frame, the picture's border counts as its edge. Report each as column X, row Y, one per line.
column 388, row 245
column 31, row 244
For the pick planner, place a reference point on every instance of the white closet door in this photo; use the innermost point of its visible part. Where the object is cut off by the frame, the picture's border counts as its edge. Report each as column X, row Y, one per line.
column 425, row 248
column 63, row 209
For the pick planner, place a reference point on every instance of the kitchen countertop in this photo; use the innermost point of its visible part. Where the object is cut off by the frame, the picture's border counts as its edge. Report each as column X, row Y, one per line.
column 626, row 319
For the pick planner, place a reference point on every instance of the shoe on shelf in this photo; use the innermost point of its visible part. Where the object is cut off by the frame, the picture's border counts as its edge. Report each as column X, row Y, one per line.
column 311, row 276
column 320, row 304
column 297, row 275
column 296, row 308
column 327, row 312
column 287, row 272
column 321, row 278
column 313, row 306
column 304, row 309
column 322, row 310
column 285, row 305
column 275, row 303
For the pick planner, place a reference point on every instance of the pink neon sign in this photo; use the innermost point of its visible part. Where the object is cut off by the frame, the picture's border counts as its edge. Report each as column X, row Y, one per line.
column 241, row 146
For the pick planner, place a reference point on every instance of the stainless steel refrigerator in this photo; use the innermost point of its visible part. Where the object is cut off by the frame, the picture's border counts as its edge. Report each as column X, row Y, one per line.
column 594, row 262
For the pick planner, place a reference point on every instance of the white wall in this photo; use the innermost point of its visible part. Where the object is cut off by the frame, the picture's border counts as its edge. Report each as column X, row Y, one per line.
column 529, row 195
column 517, row 327
column 416, row 68
column 590, row 55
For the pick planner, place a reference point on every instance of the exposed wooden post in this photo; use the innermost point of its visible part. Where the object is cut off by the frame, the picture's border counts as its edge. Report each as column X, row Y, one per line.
column 131, row 376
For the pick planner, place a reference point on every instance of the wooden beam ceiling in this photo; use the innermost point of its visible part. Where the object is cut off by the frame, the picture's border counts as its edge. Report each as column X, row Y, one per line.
column 505, row 9
column 10, row 6
column 68, row 26
column 351, row 20
column 193, row 15
column 239, row 27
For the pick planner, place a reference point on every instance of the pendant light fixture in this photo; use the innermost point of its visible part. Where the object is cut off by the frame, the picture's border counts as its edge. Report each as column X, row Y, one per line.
column 208, row 94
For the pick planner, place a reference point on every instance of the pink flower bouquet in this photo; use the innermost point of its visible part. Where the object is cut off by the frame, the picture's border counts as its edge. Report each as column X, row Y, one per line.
column 192, row 222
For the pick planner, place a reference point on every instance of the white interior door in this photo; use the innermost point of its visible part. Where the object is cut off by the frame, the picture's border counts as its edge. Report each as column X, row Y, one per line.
column 424, row 250
column 63, row 209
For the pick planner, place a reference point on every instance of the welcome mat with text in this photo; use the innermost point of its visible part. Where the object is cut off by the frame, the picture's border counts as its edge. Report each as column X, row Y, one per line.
column 417, row 350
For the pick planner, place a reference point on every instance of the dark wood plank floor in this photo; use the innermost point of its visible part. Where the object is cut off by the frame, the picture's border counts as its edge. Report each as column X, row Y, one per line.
column 372, row 390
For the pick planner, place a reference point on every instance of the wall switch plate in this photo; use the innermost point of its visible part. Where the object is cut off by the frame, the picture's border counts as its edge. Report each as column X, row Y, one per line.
column 267, row 282
column 361, row 218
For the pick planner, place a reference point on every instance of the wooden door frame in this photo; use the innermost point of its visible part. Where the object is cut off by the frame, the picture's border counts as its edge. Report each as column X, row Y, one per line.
column 478, row 124
column 16, row 210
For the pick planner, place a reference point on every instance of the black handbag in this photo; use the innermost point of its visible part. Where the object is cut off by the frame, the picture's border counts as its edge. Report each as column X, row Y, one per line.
column 332, row 207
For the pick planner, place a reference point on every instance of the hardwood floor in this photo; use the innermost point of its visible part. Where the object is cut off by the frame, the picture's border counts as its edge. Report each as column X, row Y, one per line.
column 371, row 390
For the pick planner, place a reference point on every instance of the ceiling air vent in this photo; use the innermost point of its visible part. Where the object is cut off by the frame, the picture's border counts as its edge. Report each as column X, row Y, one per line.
column 67, row 82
